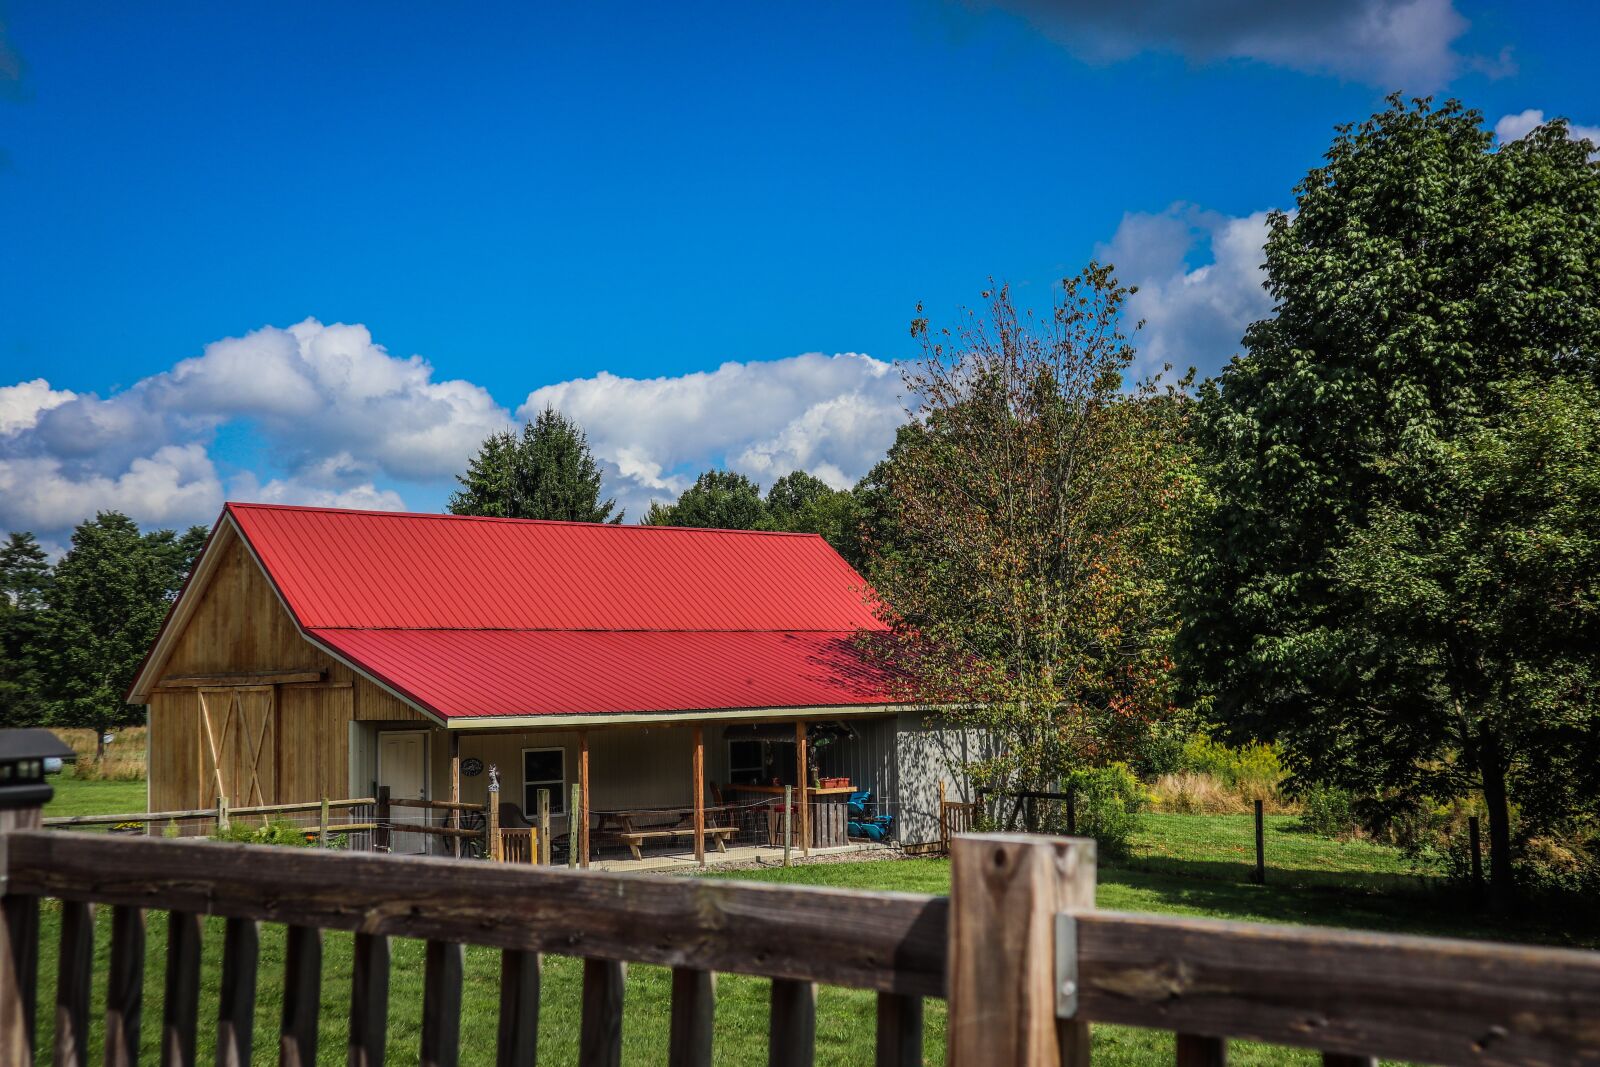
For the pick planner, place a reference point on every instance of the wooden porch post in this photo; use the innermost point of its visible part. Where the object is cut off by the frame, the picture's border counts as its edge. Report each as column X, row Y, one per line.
column 582, row 835
column 455, row 792
column 699, row 795
column 805, row 788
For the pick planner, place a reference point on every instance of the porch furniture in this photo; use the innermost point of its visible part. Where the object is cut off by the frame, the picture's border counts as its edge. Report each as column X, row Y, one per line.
column 829, row 817
column 634, row 828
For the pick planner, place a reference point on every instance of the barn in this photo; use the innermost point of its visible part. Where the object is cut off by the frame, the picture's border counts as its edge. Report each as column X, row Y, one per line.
column 320, row 652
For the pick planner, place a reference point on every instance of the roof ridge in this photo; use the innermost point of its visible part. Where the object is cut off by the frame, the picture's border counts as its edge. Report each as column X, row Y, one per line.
column 603, row 629
column 373, row 513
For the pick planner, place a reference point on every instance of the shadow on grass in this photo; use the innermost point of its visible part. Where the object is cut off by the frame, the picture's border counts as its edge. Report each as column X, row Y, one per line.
column 1283, row 874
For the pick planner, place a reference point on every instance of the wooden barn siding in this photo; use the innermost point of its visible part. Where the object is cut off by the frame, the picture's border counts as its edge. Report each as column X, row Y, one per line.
column 239, row 625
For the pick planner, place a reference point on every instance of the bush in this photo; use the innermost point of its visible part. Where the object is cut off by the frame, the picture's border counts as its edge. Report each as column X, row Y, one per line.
column 1327, row 811
column 275, row 832
column 1253, row 770
column 1107, row 802
column 1196, row 793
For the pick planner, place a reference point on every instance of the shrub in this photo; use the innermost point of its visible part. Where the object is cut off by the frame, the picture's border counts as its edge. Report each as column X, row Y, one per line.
column 1107, row 802
column 275, row 832
column 1327, row 811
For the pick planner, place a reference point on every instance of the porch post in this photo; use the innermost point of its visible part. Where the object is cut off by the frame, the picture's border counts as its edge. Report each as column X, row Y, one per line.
column 582, row 836
column 699, row 795
column 805, row 789
column 455, row 792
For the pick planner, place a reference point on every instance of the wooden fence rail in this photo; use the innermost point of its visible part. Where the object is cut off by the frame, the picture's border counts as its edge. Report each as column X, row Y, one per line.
column 1024, row 959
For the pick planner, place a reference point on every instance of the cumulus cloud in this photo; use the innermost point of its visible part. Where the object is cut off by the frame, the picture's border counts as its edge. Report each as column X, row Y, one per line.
column 335, row 412
column 338, row 421
column 833, row 416
column 1516, row 127
column 1194, row 316
column 1394, row 44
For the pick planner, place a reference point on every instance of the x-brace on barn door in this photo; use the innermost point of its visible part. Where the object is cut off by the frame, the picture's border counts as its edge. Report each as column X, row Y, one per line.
column 238, row 745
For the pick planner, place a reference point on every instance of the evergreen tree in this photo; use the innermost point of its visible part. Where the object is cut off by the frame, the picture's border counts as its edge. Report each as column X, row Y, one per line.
column 24, row 593
column 548, row 473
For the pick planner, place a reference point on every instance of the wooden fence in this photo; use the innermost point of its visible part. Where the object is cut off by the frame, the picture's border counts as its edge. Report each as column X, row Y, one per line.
column 955, row 817
column 1025, row 961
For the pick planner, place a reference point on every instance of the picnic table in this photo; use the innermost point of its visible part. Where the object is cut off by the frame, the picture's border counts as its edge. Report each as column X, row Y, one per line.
column 634, row 828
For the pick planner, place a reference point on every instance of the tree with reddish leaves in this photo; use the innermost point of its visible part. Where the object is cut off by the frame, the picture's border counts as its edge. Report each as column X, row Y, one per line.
column 1037, row 501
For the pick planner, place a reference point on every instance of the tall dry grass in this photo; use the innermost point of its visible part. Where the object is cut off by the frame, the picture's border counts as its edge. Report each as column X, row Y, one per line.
column 1200, row 793
column 124, row 759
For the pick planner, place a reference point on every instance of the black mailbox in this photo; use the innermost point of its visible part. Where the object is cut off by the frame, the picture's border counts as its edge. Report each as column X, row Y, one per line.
column 22, row 756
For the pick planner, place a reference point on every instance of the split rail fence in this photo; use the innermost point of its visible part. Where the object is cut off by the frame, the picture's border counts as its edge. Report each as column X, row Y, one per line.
column 1024, row 960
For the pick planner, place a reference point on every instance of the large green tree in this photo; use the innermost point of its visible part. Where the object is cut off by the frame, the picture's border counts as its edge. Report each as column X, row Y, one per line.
column 24, row 595
column 1356, row 593
column 1022, row 533
column 722, row 500
column 548, row 472
column 803, row 503
column 107, row 599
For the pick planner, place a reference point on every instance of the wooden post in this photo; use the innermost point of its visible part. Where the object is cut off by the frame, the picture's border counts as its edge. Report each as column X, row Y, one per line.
column 573, row 836
column 788, row 822
column 455, row 792
column 494, row 846
column 802, row 771
column 544, row 826
column 944, row 824
column 322, row 824
column 19, row 951
column 1260, row 876
column 1072, row 809
column 699, row 795
column 222, row 814
column 1005, row 892
column 583, row 792
column 381, row 834
column 1473, row 842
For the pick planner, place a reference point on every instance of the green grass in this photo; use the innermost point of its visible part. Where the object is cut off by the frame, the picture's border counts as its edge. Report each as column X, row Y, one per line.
column 1193, row 865
column 77, row 796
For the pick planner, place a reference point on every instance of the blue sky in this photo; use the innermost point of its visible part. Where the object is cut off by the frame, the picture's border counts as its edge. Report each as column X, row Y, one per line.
column 647, row 217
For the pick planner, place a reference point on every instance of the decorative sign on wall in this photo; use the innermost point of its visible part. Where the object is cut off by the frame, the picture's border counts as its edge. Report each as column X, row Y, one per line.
column 471, row 767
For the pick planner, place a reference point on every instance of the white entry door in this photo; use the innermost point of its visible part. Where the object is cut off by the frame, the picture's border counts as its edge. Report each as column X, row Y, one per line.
column 403, row 767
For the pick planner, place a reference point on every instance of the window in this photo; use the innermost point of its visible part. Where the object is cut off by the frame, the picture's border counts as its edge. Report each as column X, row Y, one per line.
column 761, row 762
column 544, row 768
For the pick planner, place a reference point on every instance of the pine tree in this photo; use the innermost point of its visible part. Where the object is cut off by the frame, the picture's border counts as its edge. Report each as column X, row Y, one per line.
column 549, row 472
column 24, row 592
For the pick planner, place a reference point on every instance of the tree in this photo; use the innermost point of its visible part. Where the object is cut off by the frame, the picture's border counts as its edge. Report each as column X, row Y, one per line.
column 1034, row 510
column 107, row 600
column 24, row 593
column 719, row 500
column 1427, row 288
column 548, row 473
column 802, row 503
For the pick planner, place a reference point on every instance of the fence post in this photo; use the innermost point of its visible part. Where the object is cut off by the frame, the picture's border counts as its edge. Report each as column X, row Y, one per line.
column 574, row 838
column 222, row 814
column 544, row 827
column 788, row 822
column 1072, row 809
column 1260, row 876
column 380, row 834
column 495, row 847
column 944, row 825
column 1005, row 892
column 322, row 824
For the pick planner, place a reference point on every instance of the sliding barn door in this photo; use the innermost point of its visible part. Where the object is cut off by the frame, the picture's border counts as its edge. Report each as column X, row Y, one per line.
column 239, row 745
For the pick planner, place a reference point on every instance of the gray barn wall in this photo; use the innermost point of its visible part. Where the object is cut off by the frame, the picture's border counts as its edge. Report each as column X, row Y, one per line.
column 928, row 750
column 868, row 759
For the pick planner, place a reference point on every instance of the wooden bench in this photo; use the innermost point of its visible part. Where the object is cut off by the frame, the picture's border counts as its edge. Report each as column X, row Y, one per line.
column 634, row 838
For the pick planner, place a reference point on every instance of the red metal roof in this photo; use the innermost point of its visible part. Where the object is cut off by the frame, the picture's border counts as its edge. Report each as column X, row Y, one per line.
column 475, row 617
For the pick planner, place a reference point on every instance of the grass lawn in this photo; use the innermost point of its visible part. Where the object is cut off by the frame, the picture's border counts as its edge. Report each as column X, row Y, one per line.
column 1184, row 865
column 77, row 796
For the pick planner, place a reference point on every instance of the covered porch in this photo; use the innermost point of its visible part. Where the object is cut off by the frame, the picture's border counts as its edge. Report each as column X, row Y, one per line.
column 663, row 793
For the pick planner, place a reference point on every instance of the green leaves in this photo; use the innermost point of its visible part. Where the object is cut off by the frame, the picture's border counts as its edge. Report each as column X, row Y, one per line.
column 548, row 472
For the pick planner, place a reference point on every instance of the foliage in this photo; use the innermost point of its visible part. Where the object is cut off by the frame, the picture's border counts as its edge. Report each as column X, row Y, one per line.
column 801, row 503
column 272, row 832
column 1036, row 510
column 24, row 598
column 1327, row 810
column 1253, row 770
column 719, row 500
column 107, row 598
column 549, row 472
column 1107, row 806
column 1399, row 578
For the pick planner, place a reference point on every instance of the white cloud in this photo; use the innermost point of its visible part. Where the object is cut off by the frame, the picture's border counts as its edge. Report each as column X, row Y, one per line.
column 173, row 486
column 1516, row 127
column 23, row 403
column 1395, row 44
column 1194, row 316
column 831, row 415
